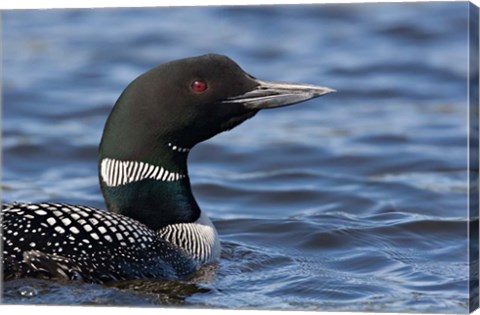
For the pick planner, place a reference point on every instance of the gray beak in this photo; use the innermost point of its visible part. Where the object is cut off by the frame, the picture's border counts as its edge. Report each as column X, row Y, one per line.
column 276, row 94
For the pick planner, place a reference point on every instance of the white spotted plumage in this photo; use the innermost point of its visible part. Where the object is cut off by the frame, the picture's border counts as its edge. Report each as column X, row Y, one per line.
column 177, row 148
column 92, row 247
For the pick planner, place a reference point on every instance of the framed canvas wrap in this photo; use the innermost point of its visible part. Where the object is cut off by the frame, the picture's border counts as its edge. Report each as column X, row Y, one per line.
column 318, row 157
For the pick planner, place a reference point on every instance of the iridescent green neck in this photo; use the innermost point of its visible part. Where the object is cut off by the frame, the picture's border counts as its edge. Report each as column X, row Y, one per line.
column 155, row 191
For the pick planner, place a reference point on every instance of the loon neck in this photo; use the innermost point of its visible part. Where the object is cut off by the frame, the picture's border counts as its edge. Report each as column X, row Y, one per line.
column 153, row 188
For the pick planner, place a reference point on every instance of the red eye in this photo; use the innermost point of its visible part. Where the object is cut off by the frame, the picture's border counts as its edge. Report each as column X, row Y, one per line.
column 199, row 86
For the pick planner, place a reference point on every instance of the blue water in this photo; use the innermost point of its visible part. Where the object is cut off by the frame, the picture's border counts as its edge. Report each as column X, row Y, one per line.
column 356, row 201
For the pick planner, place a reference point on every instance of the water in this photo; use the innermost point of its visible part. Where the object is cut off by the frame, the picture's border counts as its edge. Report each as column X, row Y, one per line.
column 356, row 201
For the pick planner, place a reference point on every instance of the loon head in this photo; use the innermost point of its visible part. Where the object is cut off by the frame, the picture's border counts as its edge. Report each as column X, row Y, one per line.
column 161, row 115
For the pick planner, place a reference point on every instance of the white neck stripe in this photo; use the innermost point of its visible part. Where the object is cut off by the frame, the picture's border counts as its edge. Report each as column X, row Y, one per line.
column 198, row 239
column 117, row 173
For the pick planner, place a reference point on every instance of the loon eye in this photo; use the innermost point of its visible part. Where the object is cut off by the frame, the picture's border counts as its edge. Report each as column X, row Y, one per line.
column 199, row 86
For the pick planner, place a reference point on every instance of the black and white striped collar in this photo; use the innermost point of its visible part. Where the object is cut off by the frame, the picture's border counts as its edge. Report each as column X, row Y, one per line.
column 117, row 173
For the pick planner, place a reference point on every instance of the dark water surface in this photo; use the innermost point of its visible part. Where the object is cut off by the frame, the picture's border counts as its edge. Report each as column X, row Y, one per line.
column 356, row 201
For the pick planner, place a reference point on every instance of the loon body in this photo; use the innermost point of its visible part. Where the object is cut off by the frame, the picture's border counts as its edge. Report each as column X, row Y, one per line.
column 153, row 228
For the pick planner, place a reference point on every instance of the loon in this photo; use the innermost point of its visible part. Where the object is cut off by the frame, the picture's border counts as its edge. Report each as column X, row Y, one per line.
column 154, row 228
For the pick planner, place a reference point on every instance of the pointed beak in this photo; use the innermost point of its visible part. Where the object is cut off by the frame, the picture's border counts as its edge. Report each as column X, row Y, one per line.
column 276, row 94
